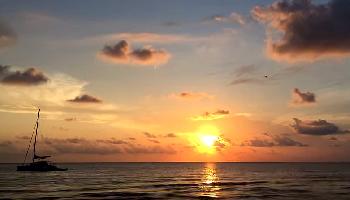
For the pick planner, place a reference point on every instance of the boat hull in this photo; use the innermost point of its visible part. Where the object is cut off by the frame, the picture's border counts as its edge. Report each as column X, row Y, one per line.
column 39, row 167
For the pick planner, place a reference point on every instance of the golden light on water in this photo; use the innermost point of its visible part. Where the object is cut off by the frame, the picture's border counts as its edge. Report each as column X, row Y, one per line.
column 209, row 178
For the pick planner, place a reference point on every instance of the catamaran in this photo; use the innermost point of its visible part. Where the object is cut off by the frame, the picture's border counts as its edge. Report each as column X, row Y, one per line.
column 38, row 162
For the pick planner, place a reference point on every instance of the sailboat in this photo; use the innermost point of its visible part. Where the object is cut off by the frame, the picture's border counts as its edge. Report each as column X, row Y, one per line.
column 38, row 162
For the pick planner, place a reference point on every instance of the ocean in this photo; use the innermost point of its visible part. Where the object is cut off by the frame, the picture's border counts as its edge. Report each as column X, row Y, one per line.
column 328, row 181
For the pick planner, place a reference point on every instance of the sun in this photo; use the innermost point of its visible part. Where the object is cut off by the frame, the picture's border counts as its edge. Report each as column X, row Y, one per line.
column 205, row 139
column 209, row 140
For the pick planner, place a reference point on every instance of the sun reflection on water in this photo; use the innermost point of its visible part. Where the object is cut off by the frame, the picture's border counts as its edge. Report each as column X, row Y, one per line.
column 210, row 180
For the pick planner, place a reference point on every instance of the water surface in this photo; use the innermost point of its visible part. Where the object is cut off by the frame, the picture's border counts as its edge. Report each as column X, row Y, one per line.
column 180, row 181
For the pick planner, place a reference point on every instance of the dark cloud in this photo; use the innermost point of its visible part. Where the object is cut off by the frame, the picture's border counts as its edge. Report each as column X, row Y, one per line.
column 102, row 147
column 123, row 53
column 149, row 135
column 85, row 98
column 28, row 77
column 70, row 119
column 6, row 143
column 12, row 151
column 211, row 115
column 309, row 31
column 317, row 127
column 287, row 142
column 221, row 143
column 118, row 52
column 170, row 135
column 258, row 143
column 79, row 146
column 300, row 98
column 154, row 141
column 4, row 69
column 23, row 137
column 7, row 35
column 191, row 96
column 113, row 141
column 131, row 138
column 274, row 141
column 133, row 149
column 333, row 138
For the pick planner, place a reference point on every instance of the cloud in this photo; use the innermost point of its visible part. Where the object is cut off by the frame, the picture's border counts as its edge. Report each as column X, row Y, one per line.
column 170, row 135
column 317, row 127
column 28, row 77
column 211, row 115
column 113, row 141
column 101, row 146
column 232, row 18
column 245, row 70
column 247, row 80
column 13, row 150
column 287, row 142
column 302, row 98
column 122, row 53
column 7, row 35
column 192, row 96
column 79, row 146
column 221, row 143
column 55, row 92
column 258, row 143
column 308, row 31
column 273, row 141
column 248, row 74
column 85, row 98
column 149, row 135
column 145, row 37
column 133, row 149
column 70, row 119
column 154, row 141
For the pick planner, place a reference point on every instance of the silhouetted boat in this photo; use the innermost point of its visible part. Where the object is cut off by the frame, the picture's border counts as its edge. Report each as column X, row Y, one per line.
column 38, row 162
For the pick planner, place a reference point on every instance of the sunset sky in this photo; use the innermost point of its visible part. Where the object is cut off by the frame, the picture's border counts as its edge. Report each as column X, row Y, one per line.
column 155, row 80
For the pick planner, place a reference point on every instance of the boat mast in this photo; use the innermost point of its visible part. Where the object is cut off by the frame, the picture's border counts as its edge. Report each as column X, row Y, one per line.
column 36, row 134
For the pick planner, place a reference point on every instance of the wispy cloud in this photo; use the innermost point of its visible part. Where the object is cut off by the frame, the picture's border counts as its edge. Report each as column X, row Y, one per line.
column 191, row 96
column 7, row 35
column 146, row 37
column 207, row 116
column 231, row 18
